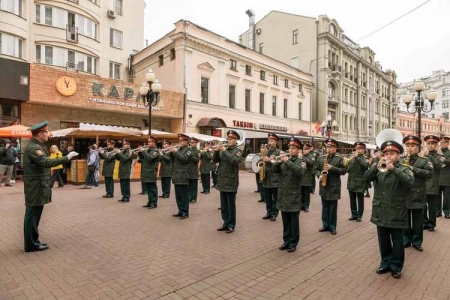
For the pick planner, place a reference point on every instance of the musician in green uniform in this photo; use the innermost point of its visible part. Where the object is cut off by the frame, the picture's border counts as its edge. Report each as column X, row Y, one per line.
column 193, row 170
column 391, row 184
column 422, row 169
column 315, row 155
column 181, row 159
column 125, row 159
column 305, row 183
column 429, row 213
column 165, row 171
column 270, row 182
column 444, row 177
column 357, row 166
column 36, row 180
column 228, row 158
column 291, row 169
column 329, row 169
column 109, row 162
column 150, row 159
column 206, row 167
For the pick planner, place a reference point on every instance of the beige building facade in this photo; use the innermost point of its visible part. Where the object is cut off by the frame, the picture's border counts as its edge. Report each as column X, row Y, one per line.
column 227, row 85
column 90, row 36
column 350, row 85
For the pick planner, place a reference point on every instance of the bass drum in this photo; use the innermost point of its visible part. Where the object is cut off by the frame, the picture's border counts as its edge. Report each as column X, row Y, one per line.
column 251, row 162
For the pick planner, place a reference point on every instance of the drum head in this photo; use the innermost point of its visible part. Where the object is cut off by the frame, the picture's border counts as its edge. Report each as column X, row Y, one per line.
column 251, row 162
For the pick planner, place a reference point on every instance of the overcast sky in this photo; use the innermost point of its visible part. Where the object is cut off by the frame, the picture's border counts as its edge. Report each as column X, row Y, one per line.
column 413, row 46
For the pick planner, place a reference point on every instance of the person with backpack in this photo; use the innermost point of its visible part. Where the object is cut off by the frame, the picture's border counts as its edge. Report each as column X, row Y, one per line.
column 7, row 159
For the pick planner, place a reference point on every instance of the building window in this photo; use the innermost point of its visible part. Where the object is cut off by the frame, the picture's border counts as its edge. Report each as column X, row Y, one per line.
column 117, row 6
column 232, row 96
column 285, row 108
column 300, row 111
column 445, row 115
column 116, row 38
column 10, row 45
column 261, row 47
column 172, row 54
column 38, row 53
column 233, row 65
column 300, row 88
column 161, row 60
column 261, row 103
column 295, row 37
column 69, row 59
column 286, row 83
column 248, row 70
column 445, row 104
column 48, row 15
column 331, row 90
column 445, row 93
column 333, row 30
column 12, row 6
column 204, row 86
column 262, row 75
column 48, row 55
column 274, row 105
column 114, row 70
column 275, row 79
column 248, row 99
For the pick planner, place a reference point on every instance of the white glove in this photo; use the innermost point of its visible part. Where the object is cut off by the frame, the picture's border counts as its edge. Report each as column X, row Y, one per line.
column 72, row 154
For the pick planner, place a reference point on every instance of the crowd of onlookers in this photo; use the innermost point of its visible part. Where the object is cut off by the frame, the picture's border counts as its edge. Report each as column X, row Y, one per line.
column 9, row 161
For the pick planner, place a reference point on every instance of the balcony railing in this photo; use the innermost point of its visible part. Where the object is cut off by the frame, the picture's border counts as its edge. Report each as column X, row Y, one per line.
column 72, row 34
column 71, row 67
column 336, row 68
column 333, row 99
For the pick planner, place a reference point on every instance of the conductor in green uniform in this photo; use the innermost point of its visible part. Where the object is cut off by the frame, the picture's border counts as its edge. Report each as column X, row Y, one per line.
column 391, row 184
column 36, row 179
column 109, row 162
column 149, row 162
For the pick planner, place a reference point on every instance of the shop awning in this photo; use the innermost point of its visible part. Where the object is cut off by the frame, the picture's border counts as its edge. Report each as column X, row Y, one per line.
column 211, row 122
column 368, row 146
column 161, row 134
column 16, row 131
column 205, row 137
column 86, row 130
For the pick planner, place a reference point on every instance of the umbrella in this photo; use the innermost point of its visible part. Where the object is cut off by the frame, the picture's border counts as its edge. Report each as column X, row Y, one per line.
column 205, row 137
column 160, row 134
column 91, row 130
column 18, row 131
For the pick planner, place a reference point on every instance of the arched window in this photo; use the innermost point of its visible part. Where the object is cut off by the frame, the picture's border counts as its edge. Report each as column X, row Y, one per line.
column 333, row 30
column 346, row 122
column 370, row 59
column 331, row 89
column 354, row 123
column 351, row 123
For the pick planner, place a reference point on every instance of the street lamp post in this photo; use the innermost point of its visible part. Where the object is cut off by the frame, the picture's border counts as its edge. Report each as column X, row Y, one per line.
column 419, row 103
column 150, row 91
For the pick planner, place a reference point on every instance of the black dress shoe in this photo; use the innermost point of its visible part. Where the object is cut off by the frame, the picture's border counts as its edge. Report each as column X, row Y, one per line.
column 38, row 248
column 333, row 232
column 177, row 215
column 121, row 200
column 406, row 245
column 383, row 270
column 352, row 219
column 261, row 200
column 257, row 191
column 110, row 196
column 152, row 206
column 306, row 209
column 447, row 216
column 312, row 192
column 166, row 196
column 418, row 248
column 290, row 250
column 43, row 244
column 438, row 215
column 202, row 192
column 193, row 201
column 397, row 275
column 162, row 196
column 283, row 247
column 266, row 217
column 273, row 219
column 431, row 229
column 143, row 193
column 323, row 229
column 207, row 192
column 358, row 220
column 146, row 205
column 367, row 195
column 125, row 201
column 105, row 196
column 219, row 208
column 222, row 228
column 230, row 230
column 184, row 217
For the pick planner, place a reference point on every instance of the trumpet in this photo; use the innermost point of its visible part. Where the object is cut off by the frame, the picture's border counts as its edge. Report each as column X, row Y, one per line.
column 217, row 147
column 382, row 165
column 137, row 149
column 347, row 160
column 274, row 159
column 165, row 150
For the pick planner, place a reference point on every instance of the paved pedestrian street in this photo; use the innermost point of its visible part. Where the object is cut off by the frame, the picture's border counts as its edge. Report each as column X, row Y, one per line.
column 103, row 249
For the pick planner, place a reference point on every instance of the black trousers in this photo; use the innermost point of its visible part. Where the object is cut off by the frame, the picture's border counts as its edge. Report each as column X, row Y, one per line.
column 305, row 192
column 329, row 214
column 414, row 234
column 182, row 198
column 446, row 200
column 143, row 188
column 63, row 174
column 125, row 189
column 228, row 209
column 193, row 189
column 356, row 209
column 391, row 248
column 258, row 183
column 206, row 182
column 291, row 227
column 271, row 197
column 109, row 185
column 313, row 182
column 214, row 177
column 152, row 189
column 56, row 175
column 165, row 185
column 429, row 213
column 31, row 227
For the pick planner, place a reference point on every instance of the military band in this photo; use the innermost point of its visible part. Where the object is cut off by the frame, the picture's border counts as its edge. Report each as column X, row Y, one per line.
column 125, row 160
column 165, row 171
column 306, row 183
column 109, row 162
column 206, row 167
column 150, row 158
column 432, row 185
column 270, row 181
column 181, row 159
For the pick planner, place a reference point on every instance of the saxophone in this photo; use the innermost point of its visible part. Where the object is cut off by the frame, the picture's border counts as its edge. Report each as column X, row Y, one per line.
column 262, row 164
column 406, row 160
column 324, row 173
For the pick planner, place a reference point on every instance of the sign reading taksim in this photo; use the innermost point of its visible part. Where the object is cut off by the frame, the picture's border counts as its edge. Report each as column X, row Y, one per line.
column 250, row 125
column 243, row 124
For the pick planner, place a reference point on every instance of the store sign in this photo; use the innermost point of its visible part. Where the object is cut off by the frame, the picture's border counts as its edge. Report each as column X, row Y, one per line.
column 217, row 133
column 273, row 127
column 243, row 124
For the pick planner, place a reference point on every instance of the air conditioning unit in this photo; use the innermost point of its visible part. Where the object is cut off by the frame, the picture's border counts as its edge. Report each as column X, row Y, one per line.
column 258, row 31
column 111, row 14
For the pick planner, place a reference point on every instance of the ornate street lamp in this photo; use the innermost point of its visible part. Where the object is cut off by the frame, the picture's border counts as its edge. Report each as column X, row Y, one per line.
column 419, row 103
column 150, row 91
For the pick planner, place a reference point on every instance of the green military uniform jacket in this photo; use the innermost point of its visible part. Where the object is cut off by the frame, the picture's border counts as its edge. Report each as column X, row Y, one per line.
column 207, row 165
column 422, row 170
column 444, row 177
column 356, row 169
column 36, row 173
column 166, row 165
column 310, row 162
column 109, row 162
column 332, row 190
column 271, row 178
column 433, row 182
column 149, row 167
column 125, row 159
column 181, row 160
column 228, row 177
column 391, row 193
column 193, row 163
column 291, row 173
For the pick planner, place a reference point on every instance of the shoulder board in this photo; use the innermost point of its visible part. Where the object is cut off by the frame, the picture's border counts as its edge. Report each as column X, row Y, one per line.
column 337, row 154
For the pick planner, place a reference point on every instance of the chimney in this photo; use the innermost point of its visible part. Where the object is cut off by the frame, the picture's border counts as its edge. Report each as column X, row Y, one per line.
column 251, row 29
